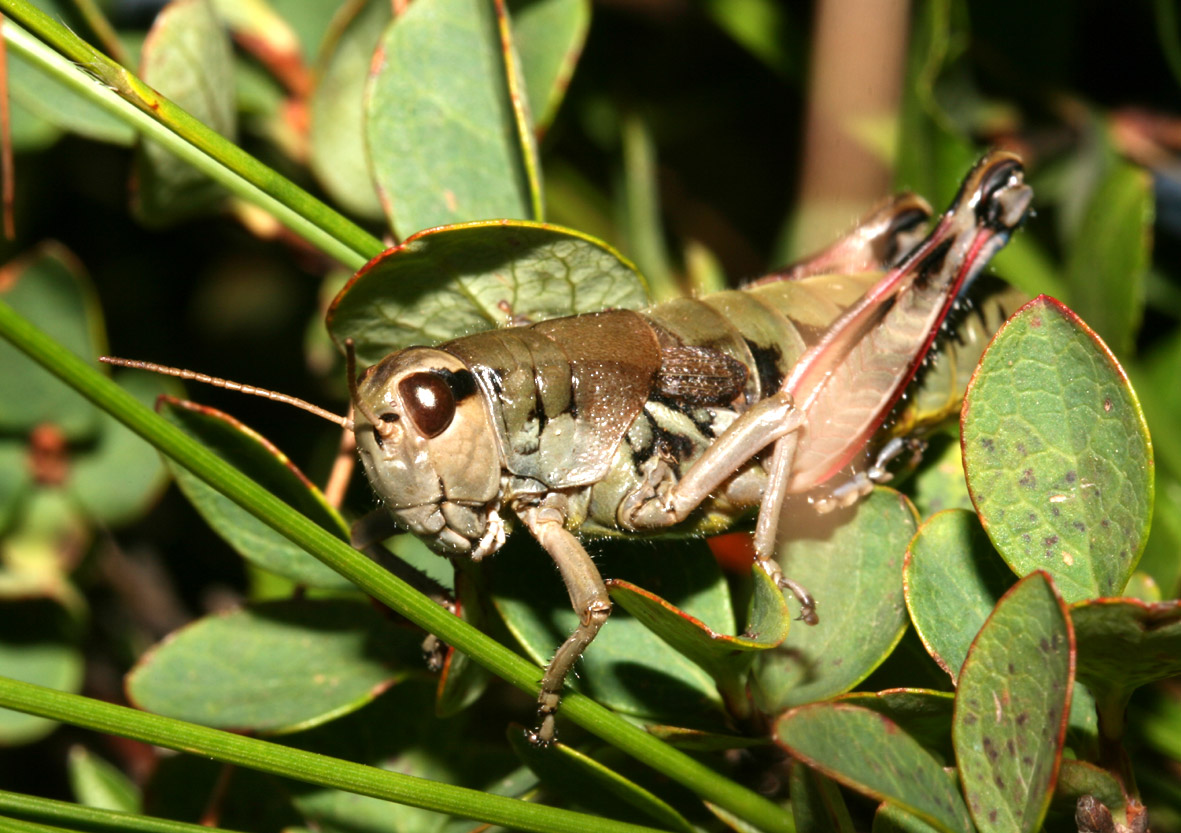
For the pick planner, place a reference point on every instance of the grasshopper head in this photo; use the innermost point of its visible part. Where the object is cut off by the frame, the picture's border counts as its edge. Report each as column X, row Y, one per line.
column 429, row 449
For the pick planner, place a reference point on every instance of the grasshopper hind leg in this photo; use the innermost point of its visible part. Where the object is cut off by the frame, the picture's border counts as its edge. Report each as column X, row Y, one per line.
column 771, row 420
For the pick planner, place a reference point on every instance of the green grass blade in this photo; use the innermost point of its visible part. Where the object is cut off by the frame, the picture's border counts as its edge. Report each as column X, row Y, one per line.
column 45, row 811
column 305, row 766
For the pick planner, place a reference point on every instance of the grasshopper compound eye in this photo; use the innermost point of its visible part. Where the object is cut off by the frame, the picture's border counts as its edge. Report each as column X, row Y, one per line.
column 429, row 402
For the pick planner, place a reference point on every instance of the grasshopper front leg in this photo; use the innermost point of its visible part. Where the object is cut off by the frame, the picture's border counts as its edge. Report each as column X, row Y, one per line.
column 588, row 596
column 772, row 420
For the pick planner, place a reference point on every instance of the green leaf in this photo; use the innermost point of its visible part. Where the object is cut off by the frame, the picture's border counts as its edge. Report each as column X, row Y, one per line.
column 37, row 645
column 49, row 287
column 590, row 784
column 122, row 476
column 869, row 753
column 98, row 783
column 339, row 155
column 891, row 819
column 725, row 658
column 953, row 580
column 252, row 539
column 627, row 667
column 381, row 735
column 46, row 98
column 309, row 19
column 1079, row 778
column 446, row 138
column 816, row 802
column 923, row 714
column 1057, row 453
column 851, row 562
column 932, row 154
column 549, row 35
column 447, row 283
column 1126, row 643
column 276, row 666
column 188, row 58
column 1012, row 705
column 1108, row 259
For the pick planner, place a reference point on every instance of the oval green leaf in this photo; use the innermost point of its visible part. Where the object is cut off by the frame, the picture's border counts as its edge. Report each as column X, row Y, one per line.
column 870, row 753
column 42, row 96
column 953, row 579
column 447, row 138
column 923, row 714
column 250, row 537
column 725, row 658
column 1126, row 643
column 549, row 35
column 851, row 562
column 37, row 645
column 123, row 475
column 589, row 784
column 188, row 58
column 96, row 782
column 627, row 667
column 1012, row 705
column 48, row 286
column 816, row 802
column 275, row 666
column 1057, row 454
column 447, row 283
column 1110, row 255
column 338, row 154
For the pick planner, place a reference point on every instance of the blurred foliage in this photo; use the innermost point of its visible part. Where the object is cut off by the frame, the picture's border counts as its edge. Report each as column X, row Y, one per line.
column 673, row 132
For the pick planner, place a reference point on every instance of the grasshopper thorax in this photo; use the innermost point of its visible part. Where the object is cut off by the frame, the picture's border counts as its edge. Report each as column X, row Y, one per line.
column 429, row 449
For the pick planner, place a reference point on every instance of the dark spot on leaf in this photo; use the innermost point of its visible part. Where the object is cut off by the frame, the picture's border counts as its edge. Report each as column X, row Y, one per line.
column 1026, row 537
column 1044, row 645
column 1022, row 718
column 990, row 750
column 1021, row 449
column 1071, row 476
column 969, row 720
column 1051, row 541
column 1028, row 478
column 1012, row 668
column 992, row 816
column 1011, row 747
column 987, row 444
column 1105, row 523
column 1032, row 516
column 1079, row 525
column 1055, row 511
column 1000, row 782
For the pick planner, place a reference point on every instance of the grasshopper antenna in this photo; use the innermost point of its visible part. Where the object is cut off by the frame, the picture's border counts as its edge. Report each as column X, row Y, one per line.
column 192, row 376
column 382, row 427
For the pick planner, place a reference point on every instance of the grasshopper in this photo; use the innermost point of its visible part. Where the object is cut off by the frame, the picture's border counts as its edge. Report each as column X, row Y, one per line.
column 681, row 417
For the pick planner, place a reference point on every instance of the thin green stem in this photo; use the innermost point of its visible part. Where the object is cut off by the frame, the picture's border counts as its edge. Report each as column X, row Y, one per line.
column 301, row 765
column 30, row 808
column 380, row 584
column 8, row 825
column 108, row 84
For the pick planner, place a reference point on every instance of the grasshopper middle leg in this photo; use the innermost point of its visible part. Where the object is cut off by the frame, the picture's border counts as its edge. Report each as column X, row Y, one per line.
column 772, row 420
column 588, row 595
